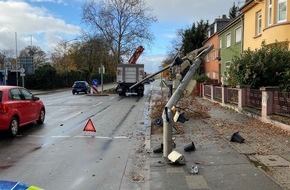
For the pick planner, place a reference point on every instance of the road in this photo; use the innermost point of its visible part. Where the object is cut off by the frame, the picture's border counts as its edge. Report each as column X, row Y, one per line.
column 60, row 155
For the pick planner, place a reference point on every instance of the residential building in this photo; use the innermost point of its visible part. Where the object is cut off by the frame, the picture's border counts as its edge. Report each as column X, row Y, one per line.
column 212, row 64
column 265, row 20
column 230, row 44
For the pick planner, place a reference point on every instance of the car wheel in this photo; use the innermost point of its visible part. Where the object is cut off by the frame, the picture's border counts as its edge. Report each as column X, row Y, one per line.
column 14, row 126
column 41, row 117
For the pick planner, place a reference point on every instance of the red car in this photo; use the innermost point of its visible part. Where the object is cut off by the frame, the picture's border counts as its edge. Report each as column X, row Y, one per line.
column 19, row 107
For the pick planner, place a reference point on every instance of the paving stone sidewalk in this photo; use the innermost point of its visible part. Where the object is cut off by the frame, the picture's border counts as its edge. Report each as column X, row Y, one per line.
column 266, row 146
column 261, row 162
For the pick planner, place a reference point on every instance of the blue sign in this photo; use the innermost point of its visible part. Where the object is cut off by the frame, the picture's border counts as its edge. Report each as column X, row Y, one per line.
column 95, row 82
column 12, row 185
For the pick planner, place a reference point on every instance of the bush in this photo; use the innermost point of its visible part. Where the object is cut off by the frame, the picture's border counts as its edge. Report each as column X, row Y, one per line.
column 46, row 77
column 267, row 66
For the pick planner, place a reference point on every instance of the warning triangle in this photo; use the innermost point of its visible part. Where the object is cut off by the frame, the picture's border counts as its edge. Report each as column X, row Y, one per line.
column 90, row 126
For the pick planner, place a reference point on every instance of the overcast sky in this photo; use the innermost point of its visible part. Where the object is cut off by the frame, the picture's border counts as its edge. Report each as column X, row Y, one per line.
column 44, row 23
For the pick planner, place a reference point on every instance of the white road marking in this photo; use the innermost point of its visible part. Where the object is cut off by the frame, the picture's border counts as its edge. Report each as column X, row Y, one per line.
column 60, row 136
column 121, row 137
column 37, row 136
column 82, row 136
column 72, row 116
column 77, row 136
column 100, row 137
column 112, row 98
column 97, row 104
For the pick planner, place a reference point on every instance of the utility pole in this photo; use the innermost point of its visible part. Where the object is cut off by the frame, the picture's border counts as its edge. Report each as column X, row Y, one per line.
column 102, row 73
column 16, row 58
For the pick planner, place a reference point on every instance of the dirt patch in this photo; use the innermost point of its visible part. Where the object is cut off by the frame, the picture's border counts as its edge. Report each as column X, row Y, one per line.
column 191, row 108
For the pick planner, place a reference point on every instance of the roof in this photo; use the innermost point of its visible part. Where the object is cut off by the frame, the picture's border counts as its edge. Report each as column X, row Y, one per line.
column 234, row 21
column 248, row 5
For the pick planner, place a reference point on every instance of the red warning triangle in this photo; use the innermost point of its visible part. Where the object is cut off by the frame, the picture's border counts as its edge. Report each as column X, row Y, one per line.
column 90, row 126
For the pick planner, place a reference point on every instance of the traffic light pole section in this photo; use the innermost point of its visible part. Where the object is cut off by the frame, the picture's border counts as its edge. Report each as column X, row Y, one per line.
column 167, row 115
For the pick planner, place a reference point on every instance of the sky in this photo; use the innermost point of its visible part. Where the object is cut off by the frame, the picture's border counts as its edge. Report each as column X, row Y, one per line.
column 45, row 23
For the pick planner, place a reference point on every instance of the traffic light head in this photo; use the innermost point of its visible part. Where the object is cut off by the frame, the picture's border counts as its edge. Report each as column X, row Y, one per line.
column 179, row 117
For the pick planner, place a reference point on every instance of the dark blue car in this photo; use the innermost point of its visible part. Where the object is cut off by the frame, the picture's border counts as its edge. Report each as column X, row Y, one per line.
column 81, row 87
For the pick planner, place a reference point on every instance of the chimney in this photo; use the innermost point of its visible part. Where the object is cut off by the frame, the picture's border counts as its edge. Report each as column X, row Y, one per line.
column 224, row 17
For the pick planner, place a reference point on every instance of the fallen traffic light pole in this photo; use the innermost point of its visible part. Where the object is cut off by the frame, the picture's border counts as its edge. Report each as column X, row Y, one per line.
column 194, row 62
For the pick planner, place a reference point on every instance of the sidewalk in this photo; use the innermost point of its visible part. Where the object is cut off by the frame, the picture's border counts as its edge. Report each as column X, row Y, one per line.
column 261, row 162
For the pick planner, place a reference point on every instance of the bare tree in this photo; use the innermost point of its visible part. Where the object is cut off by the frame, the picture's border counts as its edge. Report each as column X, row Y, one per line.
column 123, row 23
column 7, row 59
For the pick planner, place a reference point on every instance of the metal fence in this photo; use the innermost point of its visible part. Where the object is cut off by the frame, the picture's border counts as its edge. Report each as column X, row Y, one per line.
column 232, row 96
column 281, row 105
column 252, row 98
column 217, row 93
column 207, row 91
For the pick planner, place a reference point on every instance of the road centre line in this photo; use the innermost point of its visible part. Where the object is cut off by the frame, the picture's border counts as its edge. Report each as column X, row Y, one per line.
column 112, row 98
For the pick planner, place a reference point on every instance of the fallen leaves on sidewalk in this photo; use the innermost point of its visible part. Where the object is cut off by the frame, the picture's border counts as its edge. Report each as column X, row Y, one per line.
column 260, row 137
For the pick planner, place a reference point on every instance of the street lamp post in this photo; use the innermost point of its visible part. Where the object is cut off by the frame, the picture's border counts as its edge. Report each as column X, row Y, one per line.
column 66, row 59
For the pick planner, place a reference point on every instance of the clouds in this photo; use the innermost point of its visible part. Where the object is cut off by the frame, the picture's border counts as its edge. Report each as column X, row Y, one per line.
column 189, row 11
column 47, row 22
column 28, row 20
column 181, row 14
column 151, row 62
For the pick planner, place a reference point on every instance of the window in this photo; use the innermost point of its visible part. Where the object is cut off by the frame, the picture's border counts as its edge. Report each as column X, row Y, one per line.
column 238, row 35
column 15, row 94
column 270, row 12
column 213, row 54
column 227, row 70
column 282, row 10
column 220, row 43
column 213, row 75
column 207, row 57
column 27, row 95
column 258, row 23
column 228, row 38
column 208, row 33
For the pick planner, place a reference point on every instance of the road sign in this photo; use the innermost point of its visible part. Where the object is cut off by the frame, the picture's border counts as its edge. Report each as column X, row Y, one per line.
column 95, row 82
column 90, row 126
column 22, row 70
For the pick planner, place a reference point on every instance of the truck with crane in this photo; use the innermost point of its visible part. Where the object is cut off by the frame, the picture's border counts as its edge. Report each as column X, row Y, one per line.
column 129, row 74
